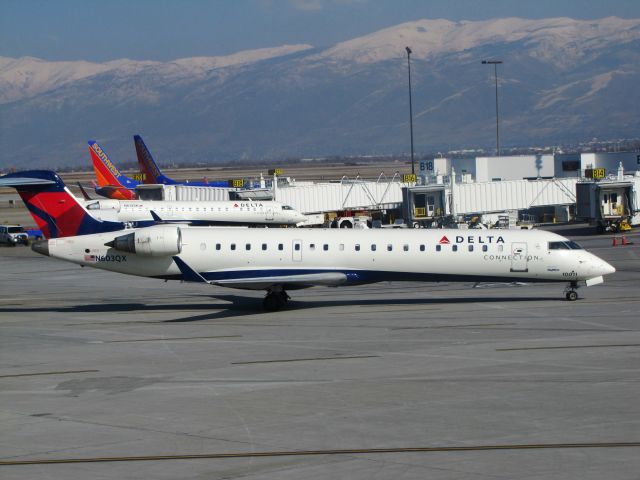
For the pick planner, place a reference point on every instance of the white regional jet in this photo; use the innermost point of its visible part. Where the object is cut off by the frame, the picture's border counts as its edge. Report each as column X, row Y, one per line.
column 240, row 212
column 278, row 260
column 235, row 213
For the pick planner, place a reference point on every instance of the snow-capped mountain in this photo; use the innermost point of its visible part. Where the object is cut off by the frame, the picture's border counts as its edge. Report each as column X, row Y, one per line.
column 562, row 80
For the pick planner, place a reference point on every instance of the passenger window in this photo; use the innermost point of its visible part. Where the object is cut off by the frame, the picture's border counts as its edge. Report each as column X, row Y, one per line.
column 405, row 248
column 357, row 247
column 296, row 247
column 218, row 246
column 422, row 248
column 280, row 246
column 312, row 246
column 325, row 247
column 264, row 246
column 248, row 246
column 454, row 248
column 471, row 248
column 500, row 248
column 484, row 248
column 438, row 248
column 373, row 247
column 233, row 246
column 389, row 247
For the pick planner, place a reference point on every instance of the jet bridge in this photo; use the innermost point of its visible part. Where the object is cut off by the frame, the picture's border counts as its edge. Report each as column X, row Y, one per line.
column 428, row 203
column 609, row 204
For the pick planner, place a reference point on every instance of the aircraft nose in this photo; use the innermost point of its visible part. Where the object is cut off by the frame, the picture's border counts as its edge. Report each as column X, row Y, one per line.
column 606, row 268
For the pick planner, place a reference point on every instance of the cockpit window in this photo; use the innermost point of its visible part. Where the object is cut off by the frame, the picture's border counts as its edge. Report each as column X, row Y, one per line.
column 568, row 245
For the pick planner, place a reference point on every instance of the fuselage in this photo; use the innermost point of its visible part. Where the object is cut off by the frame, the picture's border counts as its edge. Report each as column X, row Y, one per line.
column 363, row 256
column 212, row 213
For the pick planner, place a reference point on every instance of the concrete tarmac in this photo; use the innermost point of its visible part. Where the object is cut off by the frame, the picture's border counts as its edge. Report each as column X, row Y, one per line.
column 97, row 364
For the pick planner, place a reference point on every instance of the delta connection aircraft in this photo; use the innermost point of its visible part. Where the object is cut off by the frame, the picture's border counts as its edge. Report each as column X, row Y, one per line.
column 236, row 213
column 278, row 260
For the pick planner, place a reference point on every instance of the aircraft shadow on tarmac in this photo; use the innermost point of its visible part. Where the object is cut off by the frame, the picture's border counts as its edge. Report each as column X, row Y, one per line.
column 238, row 305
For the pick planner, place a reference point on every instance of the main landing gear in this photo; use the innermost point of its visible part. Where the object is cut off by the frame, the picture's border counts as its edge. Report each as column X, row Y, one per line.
column 570, row 292
column 276, row 299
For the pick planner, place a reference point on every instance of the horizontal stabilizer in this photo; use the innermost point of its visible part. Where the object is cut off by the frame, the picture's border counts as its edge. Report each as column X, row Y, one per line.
column 24, row 182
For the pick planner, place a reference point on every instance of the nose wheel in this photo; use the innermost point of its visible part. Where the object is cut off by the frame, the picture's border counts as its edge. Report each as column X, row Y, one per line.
column 275, row 300
column 570, row 292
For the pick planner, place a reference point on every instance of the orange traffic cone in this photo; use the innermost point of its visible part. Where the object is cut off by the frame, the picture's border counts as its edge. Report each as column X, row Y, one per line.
column 624, row 240
column 615, row 241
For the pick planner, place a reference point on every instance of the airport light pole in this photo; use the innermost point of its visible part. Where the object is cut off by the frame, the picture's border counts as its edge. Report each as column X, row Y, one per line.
column 495, row 64
column 413, row 169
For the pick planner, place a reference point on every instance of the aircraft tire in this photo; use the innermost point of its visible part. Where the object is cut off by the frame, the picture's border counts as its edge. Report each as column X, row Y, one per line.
column 572, row 295
column 272, row 302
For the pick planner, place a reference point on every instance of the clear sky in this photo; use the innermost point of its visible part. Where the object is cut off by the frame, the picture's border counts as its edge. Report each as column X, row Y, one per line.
column 101, row 30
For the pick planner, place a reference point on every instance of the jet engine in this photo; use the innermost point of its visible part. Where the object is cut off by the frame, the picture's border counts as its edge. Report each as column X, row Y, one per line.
column 151, row 241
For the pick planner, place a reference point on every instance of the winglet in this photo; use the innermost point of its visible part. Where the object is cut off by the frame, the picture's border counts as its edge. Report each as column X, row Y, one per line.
column 84, row 192
column 188, row 273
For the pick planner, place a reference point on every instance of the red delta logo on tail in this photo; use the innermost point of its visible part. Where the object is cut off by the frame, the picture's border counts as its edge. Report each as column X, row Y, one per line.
column 53, row 207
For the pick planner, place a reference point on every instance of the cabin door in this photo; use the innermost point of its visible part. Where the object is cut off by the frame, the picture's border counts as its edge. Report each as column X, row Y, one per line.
column 519, row 257
column 296, row 250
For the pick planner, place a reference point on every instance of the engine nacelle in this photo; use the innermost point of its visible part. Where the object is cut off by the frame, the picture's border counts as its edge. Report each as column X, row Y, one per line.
column 154, row 241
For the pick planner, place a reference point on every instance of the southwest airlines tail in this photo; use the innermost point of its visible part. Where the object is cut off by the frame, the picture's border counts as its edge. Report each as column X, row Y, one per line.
column 108, row 174
column 53, row 207
column 148, row 166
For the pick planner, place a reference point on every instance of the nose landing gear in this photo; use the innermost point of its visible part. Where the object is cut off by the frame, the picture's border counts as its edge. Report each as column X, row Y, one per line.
column 276, row 299
column 570, row 292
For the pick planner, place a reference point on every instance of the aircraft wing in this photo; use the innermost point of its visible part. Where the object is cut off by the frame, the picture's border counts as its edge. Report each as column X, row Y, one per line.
column 302, row 280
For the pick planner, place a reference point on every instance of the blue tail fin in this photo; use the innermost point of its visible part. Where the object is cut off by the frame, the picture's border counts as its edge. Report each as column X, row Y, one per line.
column 148, row 166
